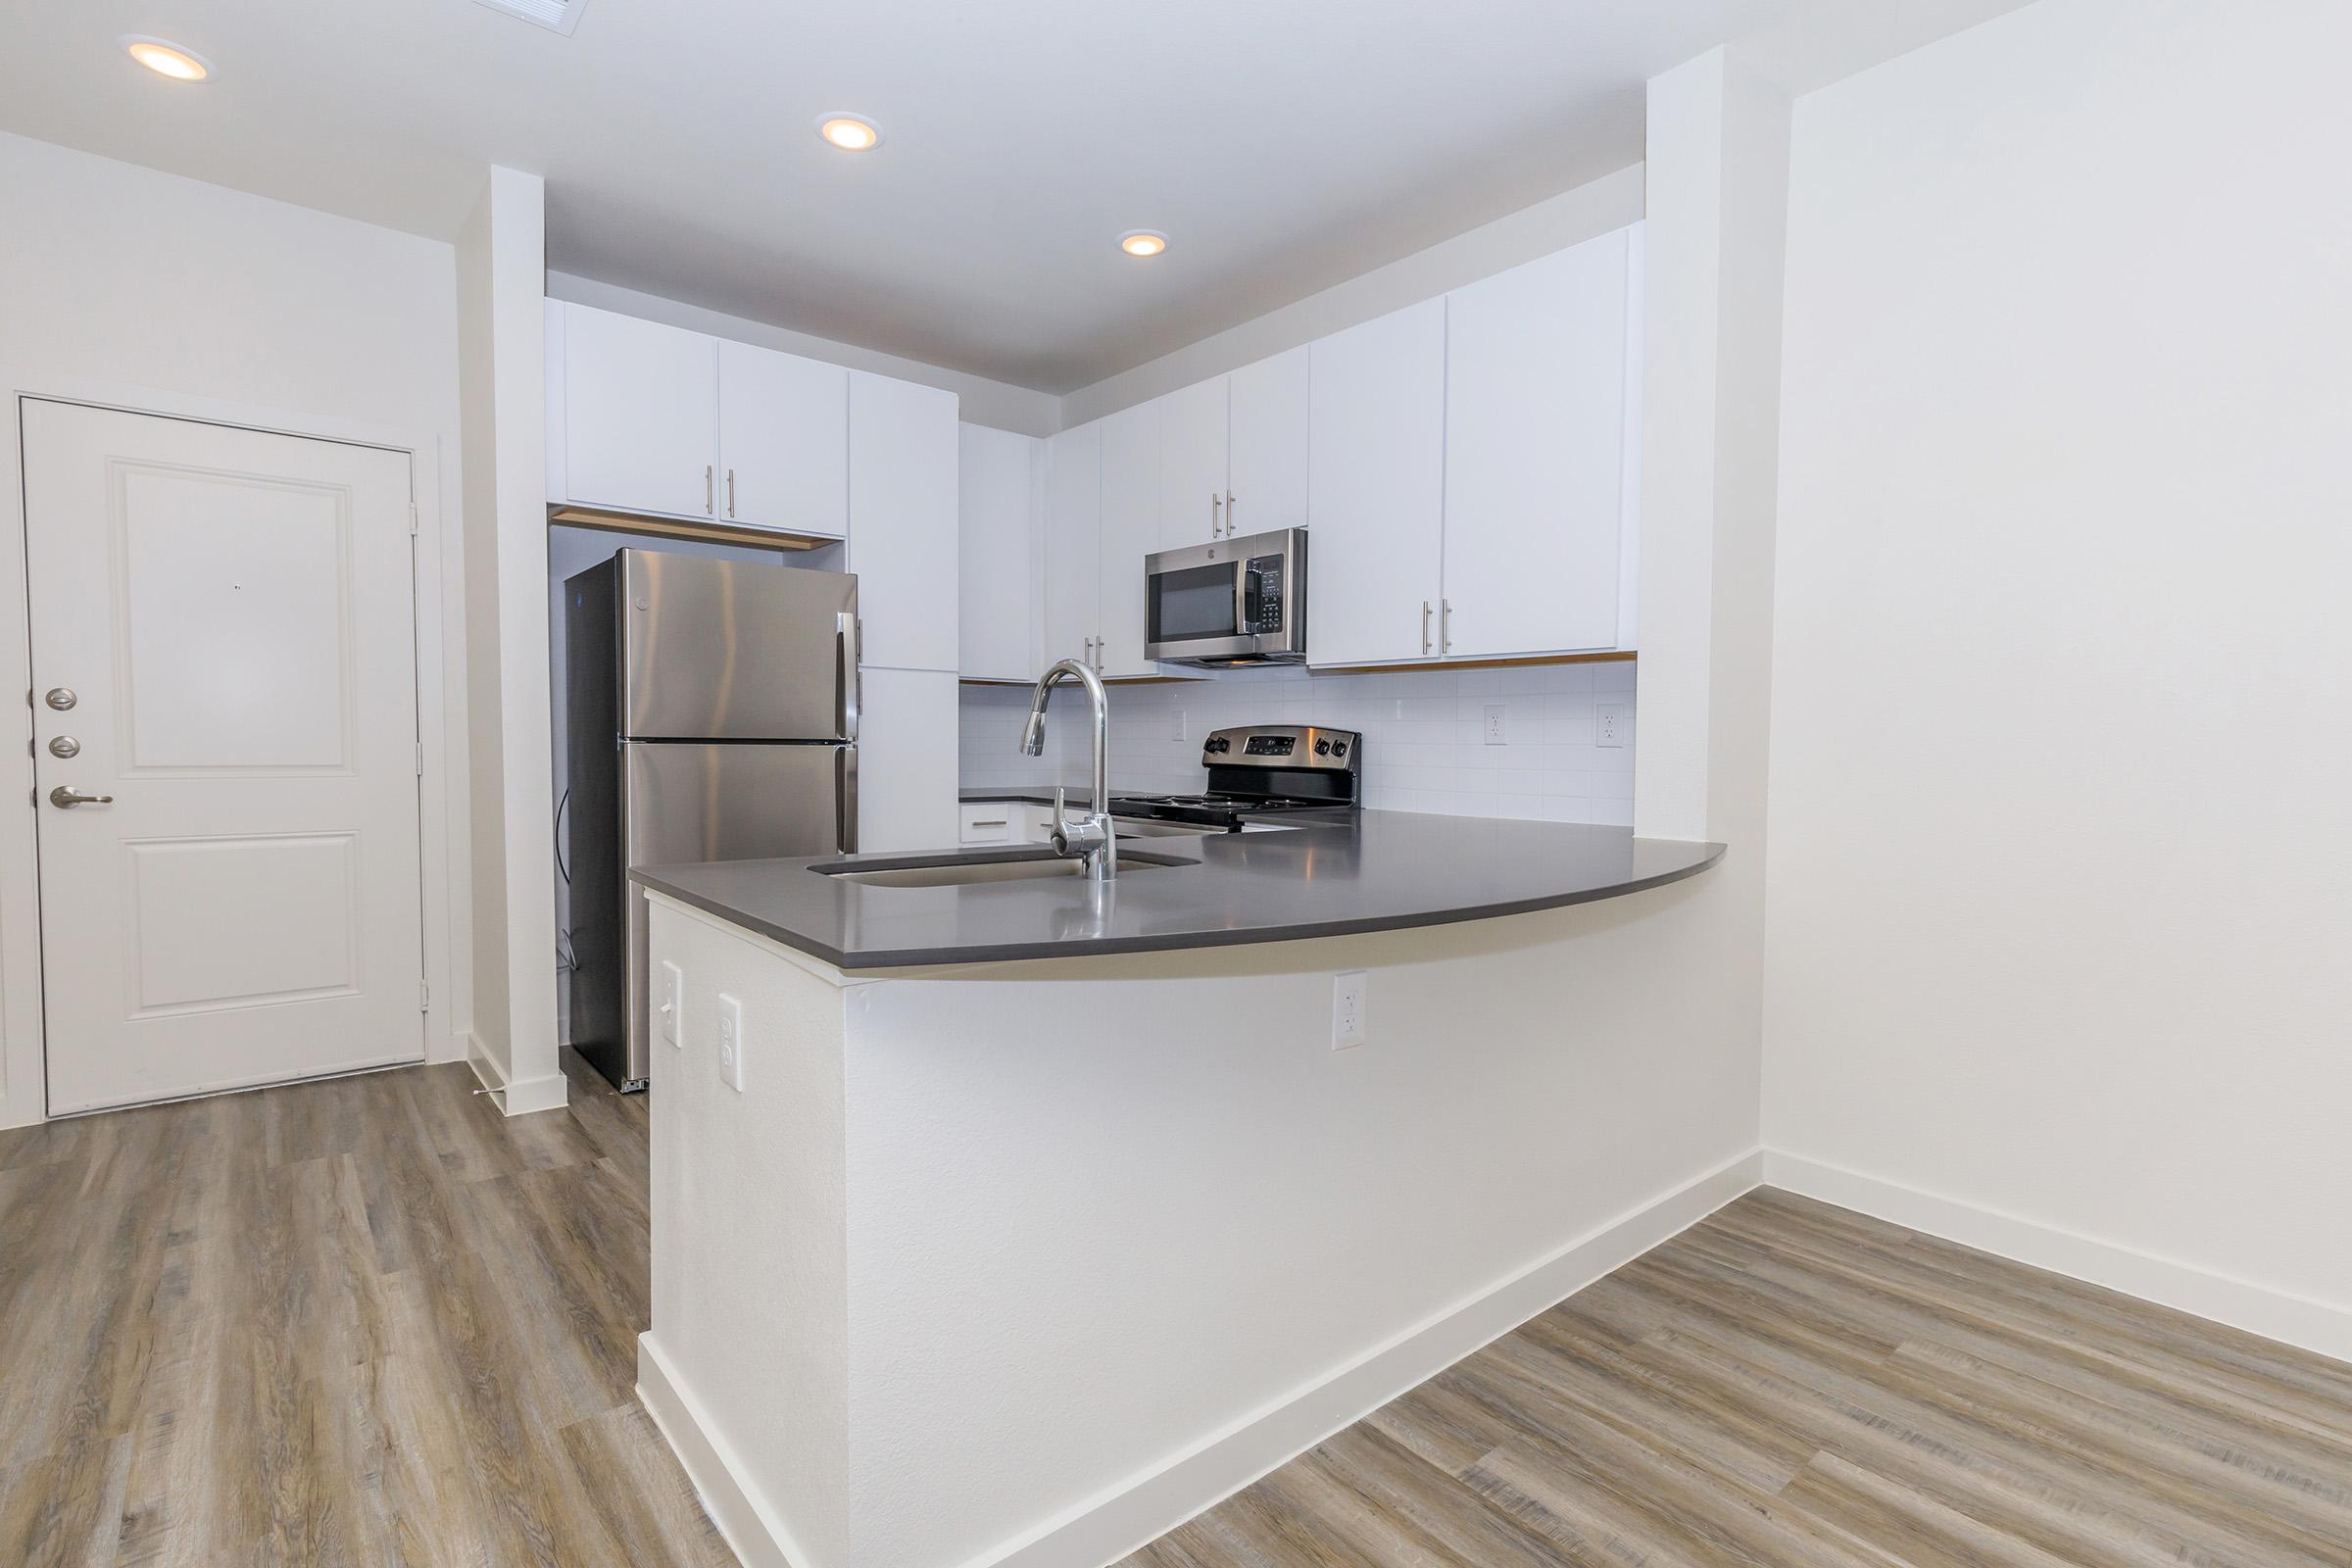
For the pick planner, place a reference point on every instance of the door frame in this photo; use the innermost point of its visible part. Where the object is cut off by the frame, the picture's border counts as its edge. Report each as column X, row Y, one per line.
column 445, row 881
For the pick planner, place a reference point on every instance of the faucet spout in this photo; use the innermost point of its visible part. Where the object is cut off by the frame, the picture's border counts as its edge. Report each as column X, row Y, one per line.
column 1092, row 837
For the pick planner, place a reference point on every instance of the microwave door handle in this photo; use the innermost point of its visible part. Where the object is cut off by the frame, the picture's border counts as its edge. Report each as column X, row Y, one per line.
column 1244, row 591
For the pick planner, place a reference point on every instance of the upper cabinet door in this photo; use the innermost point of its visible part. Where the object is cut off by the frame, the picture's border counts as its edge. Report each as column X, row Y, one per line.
column 1535, row 454
column 1073, row 580
column 1265, row 480
column 783, row 441
column 1131, row 490
column 904, row 461
column 1002, row 477
column 1192, row 467
column 640, row 415
column 1376, row 488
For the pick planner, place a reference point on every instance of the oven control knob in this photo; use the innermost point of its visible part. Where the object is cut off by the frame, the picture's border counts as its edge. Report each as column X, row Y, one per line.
column 1338, row 748
column 1322, row 748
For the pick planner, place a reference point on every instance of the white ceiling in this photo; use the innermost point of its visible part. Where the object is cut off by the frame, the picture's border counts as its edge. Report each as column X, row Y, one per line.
column 1282, row 145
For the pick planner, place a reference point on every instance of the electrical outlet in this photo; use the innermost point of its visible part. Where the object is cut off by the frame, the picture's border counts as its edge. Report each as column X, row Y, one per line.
column 1610, row 722
column 1493, row 723
column 730, row 1042
column 1176, row 731
column 1347, row 1009
column 674, row 998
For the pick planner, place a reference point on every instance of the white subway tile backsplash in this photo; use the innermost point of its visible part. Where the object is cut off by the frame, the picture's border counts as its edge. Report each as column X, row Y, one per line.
column 1425, row 746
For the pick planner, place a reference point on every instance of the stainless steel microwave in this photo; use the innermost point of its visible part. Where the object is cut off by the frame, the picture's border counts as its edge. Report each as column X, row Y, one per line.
column 1234, row 602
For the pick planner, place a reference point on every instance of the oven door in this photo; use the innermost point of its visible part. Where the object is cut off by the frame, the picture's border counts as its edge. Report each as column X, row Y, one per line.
column 1235, row 601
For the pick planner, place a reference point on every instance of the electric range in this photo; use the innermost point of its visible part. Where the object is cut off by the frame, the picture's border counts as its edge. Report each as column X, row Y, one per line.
column 1266, row 772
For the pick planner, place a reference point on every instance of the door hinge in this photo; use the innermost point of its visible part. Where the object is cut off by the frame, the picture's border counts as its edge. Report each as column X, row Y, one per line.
column 412, row 520
column 425, row 996
column 420, row 759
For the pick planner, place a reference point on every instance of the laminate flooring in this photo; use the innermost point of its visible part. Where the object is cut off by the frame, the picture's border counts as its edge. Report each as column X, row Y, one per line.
column 364, row 1321
column 1788, row 1385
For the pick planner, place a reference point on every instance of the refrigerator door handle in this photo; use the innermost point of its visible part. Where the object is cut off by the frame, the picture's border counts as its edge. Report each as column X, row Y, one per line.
column 845, row 798
column 850, row 686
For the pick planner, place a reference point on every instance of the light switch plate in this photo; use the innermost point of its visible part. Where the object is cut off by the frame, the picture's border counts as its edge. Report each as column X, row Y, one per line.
column 673, row 1000
column 730, row 1042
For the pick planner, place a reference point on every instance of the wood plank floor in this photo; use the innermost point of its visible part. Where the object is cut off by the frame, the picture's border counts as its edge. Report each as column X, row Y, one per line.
column 1791, row 1384
column 372, row 1322
column 366, row 1321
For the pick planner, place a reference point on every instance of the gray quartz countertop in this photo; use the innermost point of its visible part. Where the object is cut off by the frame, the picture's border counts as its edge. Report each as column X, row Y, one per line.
column 1351, row 872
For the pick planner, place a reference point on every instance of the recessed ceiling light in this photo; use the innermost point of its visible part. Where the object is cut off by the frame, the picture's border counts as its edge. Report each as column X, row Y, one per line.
column 168, row 59
column 1143, row 242
column 851, row 133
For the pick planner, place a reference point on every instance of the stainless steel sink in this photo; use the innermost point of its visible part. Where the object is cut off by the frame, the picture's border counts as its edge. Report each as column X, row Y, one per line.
column 972, row 870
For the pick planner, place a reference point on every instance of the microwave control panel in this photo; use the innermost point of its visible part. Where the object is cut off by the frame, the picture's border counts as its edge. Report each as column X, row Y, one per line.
column 1264, row 594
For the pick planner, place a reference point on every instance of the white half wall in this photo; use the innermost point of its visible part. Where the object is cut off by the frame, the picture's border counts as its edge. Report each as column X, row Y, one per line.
column 501, row 343
column 2062, row 707
column 155, row 291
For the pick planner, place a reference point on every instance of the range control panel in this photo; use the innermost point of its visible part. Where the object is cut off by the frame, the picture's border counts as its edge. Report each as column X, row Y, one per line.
column 1308, row 746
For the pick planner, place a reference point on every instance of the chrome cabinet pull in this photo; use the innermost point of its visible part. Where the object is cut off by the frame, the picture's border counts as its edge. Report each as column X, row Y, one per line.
column 1217, row 524
column 1446, row 626
column 709, row 494
column 1229, row 530
column 1425, row 625
column 730, row 492
column 64, row 798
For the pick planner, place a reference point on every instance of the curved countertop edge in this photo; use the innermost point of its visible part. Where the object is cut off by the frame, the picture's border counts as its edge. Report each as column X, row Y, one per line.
column 1174, row 940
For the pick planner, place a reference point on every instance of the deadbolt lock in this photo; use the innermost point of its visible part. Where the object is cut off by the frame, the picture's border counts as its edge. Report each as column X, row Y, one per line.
column 61, row 698
column 65, row 745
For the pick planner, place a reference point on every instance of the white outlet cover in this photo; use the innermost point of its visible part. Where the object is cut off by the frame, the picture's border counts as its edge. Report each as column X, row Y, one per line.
column 673, row 1001
column 1610, row 722
column 1495, row 712
column 1347, row 1009
column 730, row 1042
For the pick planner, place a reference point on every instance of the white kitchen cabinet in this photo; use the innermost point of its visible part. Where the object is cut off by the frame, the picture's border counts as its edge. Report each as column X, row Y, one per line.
column 1004, row 822
column 1131, row 491
column 906, row 761
column 638, row 414
column 1376, row 488
column 1192, row 478
column 783, row 438
column 1266, row 479
column 905, row 461
column 1072, row 575
column 1000, row 554
column 1536, row 454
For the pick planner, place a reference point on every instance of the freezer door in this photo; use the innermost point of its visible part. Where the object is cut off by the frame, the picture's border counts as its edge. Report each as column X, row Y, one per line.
column 724, row 650
column 686, row 803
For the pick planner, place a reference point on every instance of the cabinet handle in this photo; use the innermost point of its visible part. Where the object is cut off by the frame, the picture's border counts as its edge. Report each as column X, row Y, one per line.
column 710, row 497
column 1216, row 523
column 1446, row 626
column 730, row 492
column 1424, row 625
column 1229, row 530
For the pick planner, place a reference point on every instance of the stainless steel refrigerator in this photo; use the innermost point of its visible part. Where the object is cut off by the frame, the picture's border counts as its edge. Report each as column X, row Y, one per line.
column 711, row 715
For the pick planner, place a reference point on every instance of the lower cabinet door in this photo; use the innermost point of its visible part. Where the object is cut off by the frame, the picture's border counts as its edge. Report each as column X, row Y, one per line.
column 907, row 762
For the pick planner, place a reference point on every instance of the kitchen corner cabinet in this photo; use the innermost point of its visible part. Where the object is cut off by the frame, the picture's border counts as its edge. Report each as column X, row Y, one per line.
column 1001, row 555
column 1376, row 489
column 783, row 426
column 1129, row 531
column 1535, row 452
column 1072, row 579
column 904, row 489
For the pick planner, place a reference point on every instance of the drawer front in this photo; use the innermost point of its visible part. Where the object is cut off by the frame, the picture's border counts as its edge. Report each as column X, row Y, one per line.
column 990, row 822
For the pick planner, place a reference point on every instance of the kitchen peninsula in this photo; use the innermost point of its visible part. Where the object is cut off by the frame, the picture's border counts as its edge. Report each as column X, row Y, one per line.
column 1016, row 1216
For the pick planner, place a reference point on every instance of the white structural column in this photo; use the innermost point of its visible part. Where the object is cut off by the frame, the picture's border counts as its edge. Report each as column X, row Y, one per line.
column 502, row 405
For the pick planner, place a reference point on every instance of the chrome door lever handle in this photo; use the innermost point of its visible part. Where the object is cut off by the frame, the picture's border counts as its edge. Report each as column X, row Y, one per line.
column 65, row 798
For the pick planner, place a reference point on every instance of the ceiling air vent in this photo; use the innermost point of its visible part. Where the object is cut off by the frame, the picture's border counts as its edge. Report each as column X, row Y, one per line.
column 556, row 16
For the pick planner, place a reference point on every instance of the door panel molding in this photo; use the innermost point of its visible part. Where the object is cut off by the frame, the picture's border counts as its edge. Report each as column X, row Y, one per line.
column 440, row 707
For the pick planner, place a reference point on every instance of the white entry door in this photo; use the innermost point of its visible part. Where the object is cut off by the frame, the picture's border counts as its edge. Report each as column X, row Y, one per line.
column 223, row 653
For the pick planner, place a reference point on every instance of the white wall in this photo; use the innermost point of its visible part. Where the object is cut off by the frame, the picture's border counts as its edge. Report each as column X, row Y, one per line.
column 2062, row 709
column 501, row 262
column 1597, row 206
column 997, row 404
column 149, row 283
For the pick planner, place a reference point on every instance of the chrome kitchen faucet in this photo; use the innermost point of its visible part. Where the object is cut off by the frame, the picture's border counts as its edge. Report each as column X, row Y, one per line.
column 1091, row 836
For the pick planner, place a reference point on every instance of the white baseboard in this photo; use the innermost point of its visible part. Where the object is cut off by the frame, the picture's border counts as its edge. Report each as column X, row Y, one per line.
column 522, row 1096
column 754, row 1533
column 1143, row 1506
column 2262, row 1309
